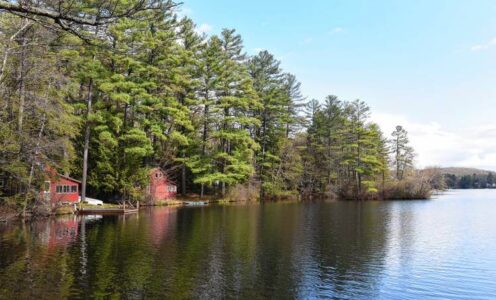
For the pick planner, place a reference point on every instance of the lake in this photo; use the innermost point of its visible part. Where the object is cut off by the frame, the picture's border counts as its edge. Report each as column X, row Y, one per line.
column 439, row 248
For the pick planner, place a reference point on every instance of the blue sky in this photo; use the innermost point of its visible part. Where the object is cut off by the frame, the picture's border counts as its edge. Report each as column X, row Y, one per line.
column 429, row 65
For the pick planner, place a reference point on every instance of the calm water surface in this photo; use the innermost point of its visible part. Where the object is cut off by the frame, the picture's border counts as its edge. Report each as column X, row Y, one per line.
column 443, row 248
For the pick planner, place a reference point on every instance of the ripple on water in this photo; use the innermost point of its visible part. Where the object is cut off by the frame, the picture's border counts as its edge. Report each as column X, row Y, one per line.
column 442, row 248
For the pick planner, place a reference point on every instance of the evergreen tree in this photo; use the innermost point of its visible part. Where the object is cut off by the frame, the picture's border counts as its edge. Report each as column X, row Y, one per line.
column 402, row 152
column 201, row 163
column 294, row 104
column 235, row 99
column 272, row 114
column 187, row 94
column 490, row 180
column 37, row 123
column 124, row 87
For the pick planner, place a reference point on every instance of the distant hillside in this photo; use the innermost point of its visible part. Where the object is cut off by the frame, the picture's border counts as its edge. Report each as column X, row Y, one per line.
column 464, row 171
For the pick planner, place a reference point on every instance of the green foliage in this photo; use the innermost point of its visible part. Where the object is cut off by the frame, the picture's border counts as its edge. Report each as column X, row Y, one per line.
column 345, row 153
column 146, row 90
column 402, row 152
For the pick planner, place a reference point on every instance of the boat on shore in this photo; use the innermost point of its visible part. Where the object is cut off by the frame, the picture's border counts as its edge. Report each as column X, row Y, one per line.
column 124, row 208
column 195, row 203
column 106, row 211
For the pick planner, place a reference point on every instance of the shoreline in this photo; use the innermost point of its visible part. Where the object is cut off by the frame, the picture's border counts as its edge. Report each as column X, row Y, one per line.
column 9, row 214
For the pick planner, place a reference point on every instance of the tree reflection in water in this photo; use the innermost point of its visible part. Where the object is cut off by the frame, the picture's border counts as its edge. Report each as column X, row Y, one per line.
column 347, row 250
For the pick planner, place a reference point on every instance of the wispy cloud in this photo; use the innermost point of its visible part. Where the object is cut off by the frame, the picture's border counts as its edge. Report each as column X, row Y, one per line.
column 436, row 145
column 484, row 46
column 204, row 28
column 336, row 30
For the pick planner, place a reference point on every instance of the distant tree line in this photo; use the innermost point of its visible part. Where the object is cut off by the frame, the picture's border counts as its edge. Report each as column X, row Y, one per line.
column 474, row 181
column 106, row 90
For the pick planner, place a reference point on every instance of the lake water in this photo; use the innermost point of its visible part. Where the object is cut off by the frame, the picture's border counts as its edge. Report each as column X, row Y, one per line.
column 440, row 248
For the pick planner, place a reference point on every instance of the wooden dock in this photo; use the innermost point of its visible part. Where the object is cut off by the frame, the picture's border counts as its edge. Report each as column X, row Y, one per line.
column 124, row 209
column 106, row 211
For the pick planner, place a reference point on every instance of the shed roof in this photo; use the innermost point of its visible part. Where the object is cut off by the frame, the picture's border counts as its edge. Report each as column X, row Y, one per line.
column 52, row 172
column 68, row 178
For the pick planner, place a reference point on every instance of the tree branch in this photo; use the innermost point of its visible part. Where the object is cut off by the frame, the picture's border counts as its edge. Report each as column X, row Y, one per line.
column 96, row 20
column 39, row 11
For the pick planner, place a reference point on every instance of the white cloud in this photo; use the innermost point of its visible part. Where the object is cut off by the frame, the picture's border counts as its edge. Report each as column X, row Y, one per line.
column 485, row 46
column 437, row 146
column 336, row 30
column 204, row 28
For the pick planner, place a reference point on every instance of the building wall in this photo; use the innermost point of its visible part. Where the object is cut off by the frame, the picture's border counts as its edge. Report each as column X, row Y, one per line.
column 56, row 197
column 160, row 187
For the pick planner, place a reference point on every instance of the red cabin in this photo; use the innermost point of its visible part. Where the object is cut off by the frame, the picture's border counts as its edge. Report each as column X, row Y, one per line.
column 160, row 188
column 60, row 189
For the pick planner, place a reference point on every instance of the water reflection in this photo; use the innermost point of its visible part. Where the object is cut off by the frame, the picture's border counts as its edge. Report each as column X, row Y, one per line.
column 346, row 250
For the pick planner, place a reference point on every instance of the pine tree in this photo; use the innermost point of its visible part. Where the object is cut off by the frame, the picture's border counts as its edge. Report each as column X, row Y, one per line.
column 294, row 104
column 210, row 64
column 402, row 152
column 236, row 98
column 187, row 94
column 272, row 114
column 110, row 97
column 37, row 124
column 361, row 158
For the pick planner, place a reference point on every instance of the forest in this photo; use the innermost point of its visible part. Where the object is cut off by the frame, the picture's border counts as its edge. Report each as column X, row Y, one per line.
column 105, row 90
column 474, row 181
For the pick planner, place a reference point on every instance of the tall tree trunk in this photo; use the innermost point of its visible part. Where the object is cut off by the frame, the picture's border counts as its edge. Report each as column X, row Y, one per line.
column 6, row 52
column 263, row 133
column 397, row 158
column 183, row 177
column 225, row 148
column 204, row 140
column 383, row 185
column 34, row 161
column 86, row 140
column 22, row 86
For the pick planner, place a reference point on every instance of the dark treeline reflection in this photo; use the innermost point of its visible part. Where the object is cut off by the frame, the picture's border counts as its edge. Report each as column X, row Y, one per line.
column 282, row 250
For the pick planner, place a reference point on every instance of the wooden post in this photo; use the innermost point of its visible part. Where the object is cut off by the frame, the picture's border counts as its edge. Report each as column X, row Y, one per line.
column 137, row 205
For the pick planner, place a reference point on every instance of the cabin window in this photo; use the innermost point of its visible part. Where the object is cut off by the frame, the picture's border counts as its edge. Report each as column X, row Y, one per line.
column 65, row 189
column 158, row 175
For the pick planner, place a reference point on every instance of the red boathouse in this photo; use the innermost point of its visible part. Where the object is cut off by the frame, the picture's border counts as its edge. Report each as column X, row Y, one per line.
column 59, row 189
column 160, row 188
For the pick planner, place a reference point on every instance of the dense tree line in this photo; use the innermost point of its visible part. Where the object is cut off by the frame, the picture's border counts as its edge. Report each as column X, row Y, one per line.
column 474, row 181
column 106, row 90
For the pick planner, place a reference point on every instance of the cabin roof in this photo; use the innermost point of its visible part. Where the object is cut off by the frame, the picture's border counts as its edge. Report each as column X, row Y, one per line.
column 69, row 178
column 52, row 172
